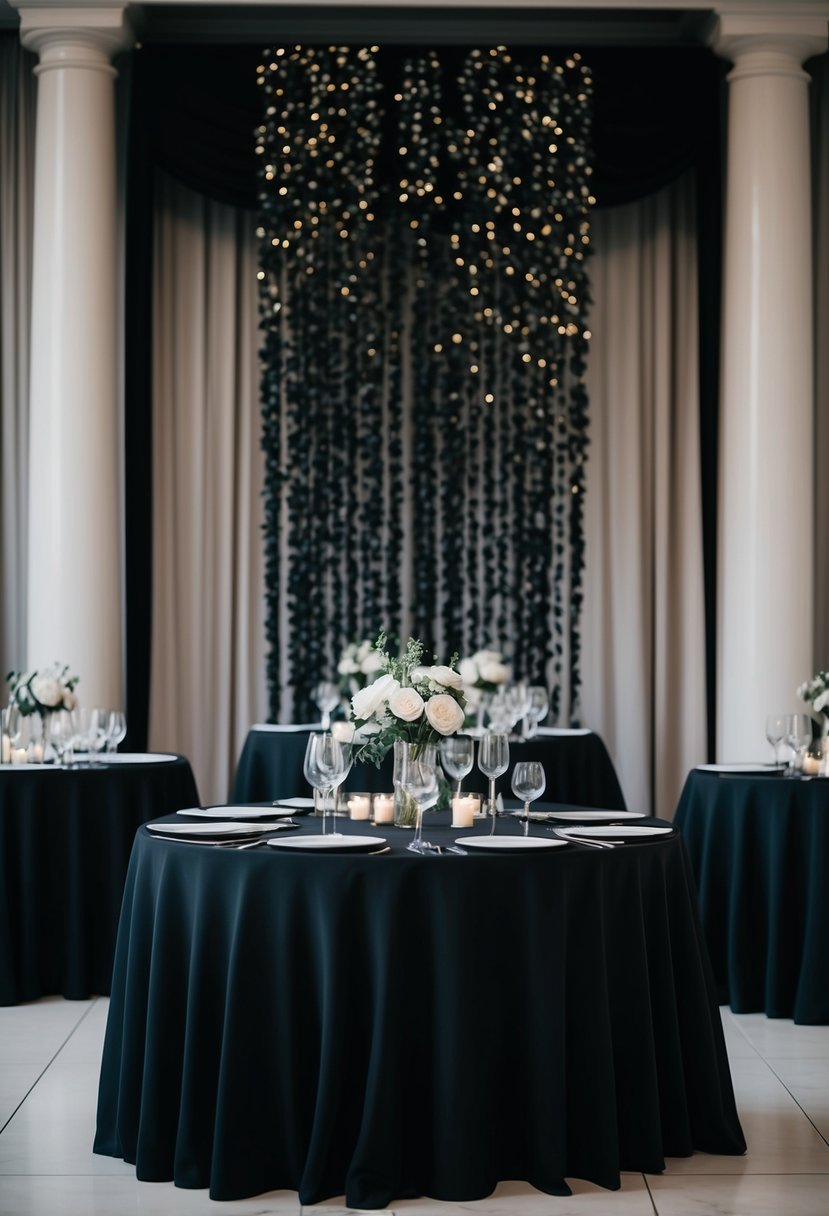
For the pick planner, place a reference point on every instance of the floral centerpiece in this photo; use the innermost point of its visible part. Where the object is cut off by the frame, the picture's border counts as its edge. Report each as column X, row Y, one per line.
column 42, row 692
column 360, row 663
column 484, row 671
column 815, row 692
column 408, row 705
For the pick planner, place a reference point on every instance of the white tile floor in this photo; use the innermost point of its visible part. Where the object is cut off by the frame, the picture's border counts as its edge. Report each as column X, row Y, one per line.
column 49, row 1058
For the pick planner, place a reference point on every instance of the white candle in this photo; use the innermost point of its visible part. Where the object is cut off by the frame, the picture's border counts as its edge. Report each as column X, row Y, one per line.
column 19, row 755
column 6, row 755
column 37, row 753
column 383, row 808
column 463, row 810
column 811, row 765
column 359, row 806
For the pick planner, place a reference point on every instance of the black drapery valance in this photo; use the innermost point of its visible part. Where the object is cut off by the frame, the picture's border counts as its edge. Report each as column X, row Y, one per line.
column 193, row 112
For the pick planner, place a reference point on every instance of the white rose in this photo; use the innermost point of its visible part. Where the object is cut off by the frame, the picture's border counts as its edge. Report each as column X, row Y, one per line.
column 70, row 701
column 342, row 731
column 347, row 667
column 369, row 699
column 406, row 704
column 821, row 701
column 493, row 672
column 372, row 662
column 468, row 671
column 474, row 699
column 444, row 714
column 48, row 691
column 445, row 676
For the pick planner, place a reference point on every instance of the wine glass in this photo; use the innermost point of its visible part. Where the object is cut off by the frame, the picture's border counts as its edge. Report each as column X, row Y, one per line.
column 518, row 701
column 116, row 730
column 493, row 760
column 775, row 732
column 418, row 777
column 798, row 735
column 326, row 766
column 61, row 733
column 326, row 697
column 457, row 755
column 539, row 704
column 528, row 783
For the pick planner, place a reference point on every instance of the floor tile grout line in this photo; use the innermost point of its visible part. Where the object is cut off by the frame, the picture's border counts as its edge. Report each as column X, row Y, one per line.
column 49, row 1064
column 793, row 1097
column 650, row 1194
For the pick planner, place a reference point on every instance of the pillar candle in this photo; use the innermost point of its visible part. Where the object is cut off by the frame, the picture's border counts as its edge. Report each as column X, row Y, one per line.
column 359, row 806
column 383, row 808
column 19, row 755
column 463, row 810
column 6, row 754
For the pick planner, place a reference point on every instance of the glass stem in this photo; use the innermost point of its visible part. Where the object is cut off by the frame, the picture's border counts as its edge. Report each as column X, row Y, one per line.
column 419, row 823
column 526, row 818
column 492, row 804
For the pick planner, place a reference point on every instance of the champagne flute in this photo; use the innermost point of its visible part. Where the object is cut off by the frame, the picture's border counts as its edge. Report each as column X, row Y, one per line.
column 798, row 734
column 326, row 697
column 457, row 755
column 528, row 783
column 493, row 760
column 775, row 732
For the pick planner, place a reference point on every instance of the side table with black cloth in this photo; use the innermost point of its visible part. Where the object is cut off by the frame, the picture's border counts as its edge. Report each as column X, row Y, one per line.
column 65, row 842
column 397, row 1025
column 578, row 768
column 759, row 847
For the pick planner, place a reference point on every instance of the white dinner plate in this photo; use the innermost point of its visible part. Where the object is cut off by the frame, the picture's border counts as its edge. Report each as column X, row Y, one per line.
column 137, row 758
column 229, row 828
column 296, row 804
column 235, row 812
column 287, row 728
column 585, row 816
column 758, row 770
column 553, row 732
column 316, row 844
column 511, row 843
column 624, row 829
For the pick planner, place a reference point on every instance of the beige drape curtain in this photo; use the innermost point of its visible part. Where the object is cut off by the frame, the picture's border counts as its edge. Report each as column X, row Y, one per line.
column 17, row 129
column 819, row 70
column 643, row 625
column 208, row 648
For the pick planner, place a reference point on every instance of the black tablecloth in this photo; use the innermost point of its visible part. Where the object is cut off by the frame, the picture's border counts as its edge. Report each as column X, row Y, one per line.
column 65, row 841
column 578, row 769
column 399, row 1025
column 759, row 847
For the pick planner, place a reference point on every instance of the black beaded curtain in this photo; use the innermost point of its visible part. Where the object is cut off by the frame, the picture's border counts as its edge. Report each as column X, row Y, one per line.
column 657, row 112
column 424, row 232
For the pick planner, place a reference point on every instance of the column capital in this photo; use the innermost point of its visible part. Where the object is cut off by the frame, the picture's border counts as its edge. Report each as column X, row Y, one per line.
column 766, row 43
column 84, row 36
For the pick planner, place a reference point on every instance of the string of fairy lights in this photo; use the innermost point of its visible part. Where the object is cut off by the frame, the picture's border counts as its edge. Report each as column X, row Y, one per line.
column 424, row 236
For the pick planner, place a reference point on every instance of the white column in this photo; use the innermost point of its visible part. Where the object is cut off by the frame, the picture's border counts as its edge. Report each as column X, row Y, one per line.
column 764, row 635
column 74, row 587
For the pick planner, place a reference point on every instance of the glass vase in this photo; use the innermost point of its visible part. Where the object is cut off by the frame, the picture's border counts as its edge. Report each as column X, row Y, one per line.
column 405, row 807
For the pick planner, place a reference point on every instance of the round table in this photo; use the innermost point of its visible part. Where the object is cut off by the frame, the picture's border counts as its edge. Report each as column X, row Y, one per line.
column 397, row 1025
column 759, row 847
column 576, row 763
column 65, row 841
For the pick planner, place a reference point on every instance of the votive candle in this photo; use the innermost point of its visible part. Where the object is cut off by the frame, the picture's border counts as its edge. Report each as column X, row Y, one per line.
column 359, row 806
column 464, row 808
column 383, row 808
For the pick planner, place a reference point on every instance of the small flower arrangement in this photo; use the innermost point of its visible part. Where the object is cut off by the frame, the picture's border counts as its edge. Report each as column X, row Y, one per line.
column 409, row 701
column 360, row 663
column 42, row 692
column 815, row 692
column 484, row 671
